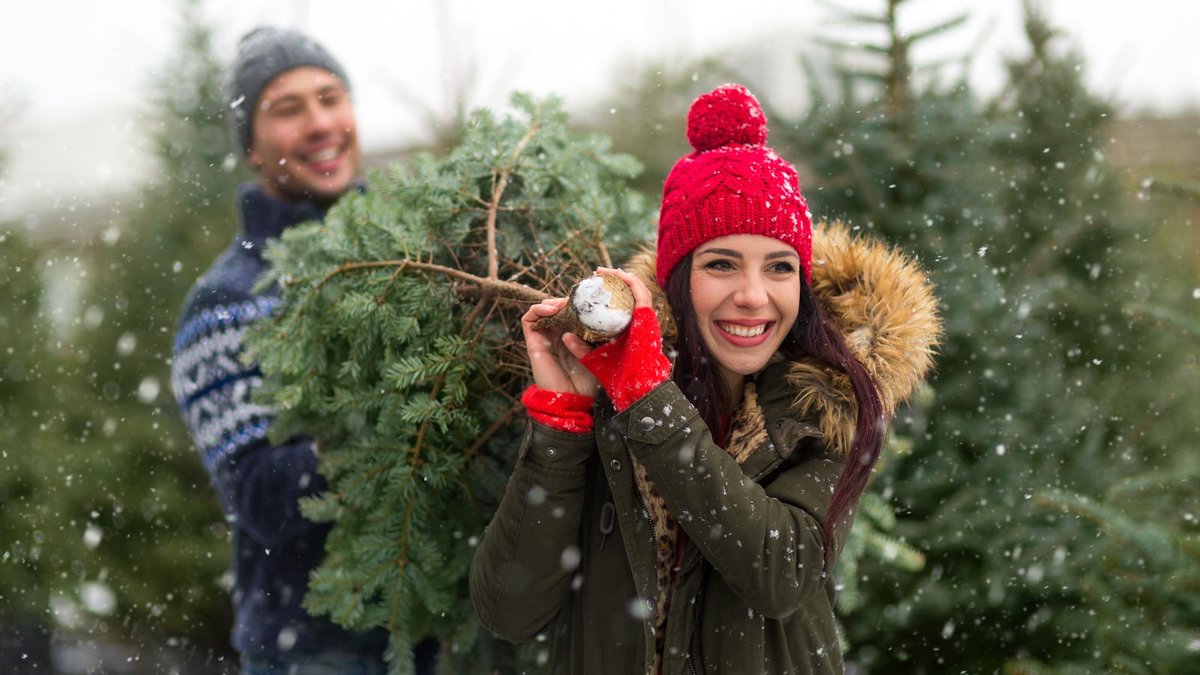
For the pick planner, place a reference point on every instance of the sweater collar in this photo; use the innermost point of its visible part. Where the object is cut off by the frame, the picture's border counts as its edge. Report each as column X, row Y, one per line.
column 265, row 217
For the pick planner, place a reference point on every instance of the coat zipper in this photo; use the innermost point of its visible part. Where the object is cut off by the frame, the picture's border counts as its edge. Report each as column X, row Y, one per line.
column 695, row 621
column 653, row 536
column 646, row 512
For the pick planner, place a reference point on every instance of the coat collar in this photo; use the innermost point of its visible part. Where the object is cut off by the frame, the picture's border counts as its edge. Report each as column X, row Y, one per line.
column 883, row 305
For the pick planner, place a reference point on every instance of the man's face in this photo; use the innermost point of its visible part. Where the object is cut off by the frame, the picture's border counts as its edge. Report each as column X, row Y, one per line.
column 305, row 144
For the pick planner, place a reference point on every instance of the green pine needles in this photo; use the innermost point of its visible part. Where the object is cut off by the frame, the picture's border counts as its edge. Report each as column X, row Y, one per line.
column 397, row 347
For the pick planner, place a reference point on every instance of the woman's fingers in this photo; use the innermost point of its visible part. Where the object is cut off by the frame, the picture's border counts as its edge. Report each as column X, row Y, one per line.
column 582, row 380
column 545, row 308
column 641, row 294
column 552, row 362
column 540, row 338
column 576, row 345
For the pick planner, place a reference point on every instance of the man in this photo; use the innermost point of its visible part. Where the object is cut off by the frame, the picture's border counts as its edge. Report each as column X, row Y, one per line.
column 291, row 115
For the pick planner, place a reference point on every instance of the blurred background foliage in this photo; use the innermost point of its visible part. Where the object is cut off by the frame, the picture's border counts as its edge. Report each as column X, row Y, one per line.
column 1049, row 475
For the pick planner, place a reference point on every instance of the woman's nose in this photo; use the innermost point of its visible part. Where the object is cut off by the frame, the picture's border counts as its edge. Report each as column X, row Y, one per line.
column 753, row 292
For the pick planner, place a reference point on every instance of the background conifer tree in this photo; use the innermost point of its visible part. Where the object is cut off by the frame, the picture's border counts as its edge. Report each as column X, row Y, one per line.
column 23, row 406
column 21, row 365
column 1141, row 582
column 646, row 114
column 133, row 548
column 1014, row 210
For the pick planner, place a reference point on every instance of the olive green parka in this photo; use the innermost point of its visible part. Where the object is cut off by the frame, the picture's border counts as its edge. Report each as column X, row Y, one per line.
column 573, row 555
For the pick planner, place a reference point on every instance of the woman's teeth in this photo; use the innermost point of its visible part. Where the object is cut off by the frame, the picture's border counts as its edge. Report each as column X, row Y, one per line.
column 743, row 331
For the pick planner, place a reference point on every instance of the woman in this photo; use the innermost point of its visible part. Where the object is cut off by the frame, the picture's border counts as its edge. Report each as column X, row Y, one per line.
column 685, row 518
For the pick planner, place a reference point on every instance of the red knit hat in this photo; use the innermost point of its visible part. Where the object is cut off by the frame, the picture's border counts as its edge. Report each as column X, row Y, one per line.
column 732, row 184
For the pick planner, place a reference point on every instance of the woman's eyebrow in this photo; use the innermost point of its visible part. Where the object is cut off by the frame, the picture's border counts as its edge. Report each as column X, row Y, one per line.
column 721, row 251
column 734, row 254
column 782, row 254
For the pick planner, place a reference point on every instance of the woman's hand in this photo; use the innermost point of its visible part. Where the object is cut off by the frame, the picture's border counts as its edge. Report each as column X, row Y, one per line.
column 633, row 363
column 554, row 355
column 641, row 294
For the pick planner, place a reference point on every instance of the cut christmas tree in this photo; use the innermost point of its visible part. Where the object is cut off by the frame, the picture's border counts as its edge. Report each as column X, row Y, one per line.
column 396, row 346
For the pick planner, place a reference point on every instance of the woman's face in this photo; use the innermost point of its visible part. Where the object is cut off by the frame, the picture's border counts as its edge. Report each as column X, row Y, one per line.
column 745, row 294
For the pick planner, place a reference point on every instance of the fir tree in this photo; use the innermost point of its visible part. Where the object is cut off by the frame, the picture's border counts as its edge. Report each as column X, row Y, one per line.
column 1015, row 212
column 23, row 364
column 643, row 115
column 131, row 554
column 1141, row 583
column 397, row 348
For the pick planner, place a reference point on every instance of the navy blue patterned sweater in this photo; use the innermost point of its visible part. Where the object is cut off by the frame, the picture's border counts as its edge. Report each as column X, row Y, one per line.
column 274, row 546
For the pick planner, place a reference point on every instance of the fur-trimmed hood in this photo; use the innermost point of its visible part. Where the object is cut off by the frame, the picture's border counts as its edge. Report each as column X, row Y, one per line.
column 881, row 302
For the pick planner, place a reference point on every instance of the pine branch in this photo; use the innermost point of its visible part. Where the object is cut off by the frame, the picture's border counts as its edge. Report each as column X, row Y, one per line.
column 497, row 193
column 400, row 562
column 487, row 434
column 1174, row 188
column 540, row 261
column 896, row 551
column 1166, row 315
column 490, row 288
column 415, row 452
column 1151, row 540
column 937, row 29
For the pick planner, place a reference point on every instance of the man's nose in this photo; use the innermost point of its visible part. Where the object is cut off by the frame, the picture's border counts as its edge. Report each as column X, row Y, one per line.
column 320, row 118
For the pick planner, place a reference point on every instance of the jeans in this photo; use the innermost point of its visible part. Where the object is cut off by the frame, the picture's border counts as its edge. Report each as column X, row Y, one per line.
column 339, row 663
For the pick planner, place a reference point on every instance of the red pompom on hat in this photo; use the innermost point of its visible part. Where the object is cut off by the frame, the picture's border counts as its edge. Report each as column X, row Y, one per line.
column 728, row 115
column 732, row 184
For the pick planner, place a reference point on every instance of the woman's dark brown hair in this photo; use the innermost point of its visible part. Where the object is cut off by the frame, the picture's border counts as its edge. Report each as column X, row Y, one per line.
column 811, row 336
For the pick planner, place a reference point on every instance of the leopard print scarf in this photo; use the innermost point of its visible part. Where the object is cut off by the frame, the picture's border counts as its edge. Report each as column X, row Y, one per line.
column 749, row 430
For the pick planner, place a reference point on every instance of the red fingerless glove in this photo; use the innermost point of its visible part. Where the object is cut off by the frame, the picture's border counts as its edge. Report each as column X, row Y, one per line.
column 633, row 363
column 561, row 410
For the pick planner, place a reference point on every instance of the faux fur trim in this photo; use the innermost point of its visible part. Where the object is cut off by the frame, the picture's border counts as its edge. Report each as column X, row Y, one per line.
column 884, row 306
column 642, row 265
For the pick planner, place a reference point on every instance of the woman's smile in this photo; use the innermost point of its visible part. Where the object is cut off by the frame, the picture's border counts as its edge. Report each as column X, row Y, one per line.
column 745, row 333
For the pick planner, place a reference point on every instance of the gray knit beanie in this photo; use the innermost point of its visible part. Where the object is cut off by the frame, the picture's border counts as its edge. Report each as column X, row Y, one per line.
column 262, row 55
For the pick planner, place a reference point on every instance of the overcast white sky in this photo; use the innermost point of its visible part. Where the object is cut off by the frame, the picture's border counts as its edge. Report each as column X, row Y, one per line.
column 81, row 67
